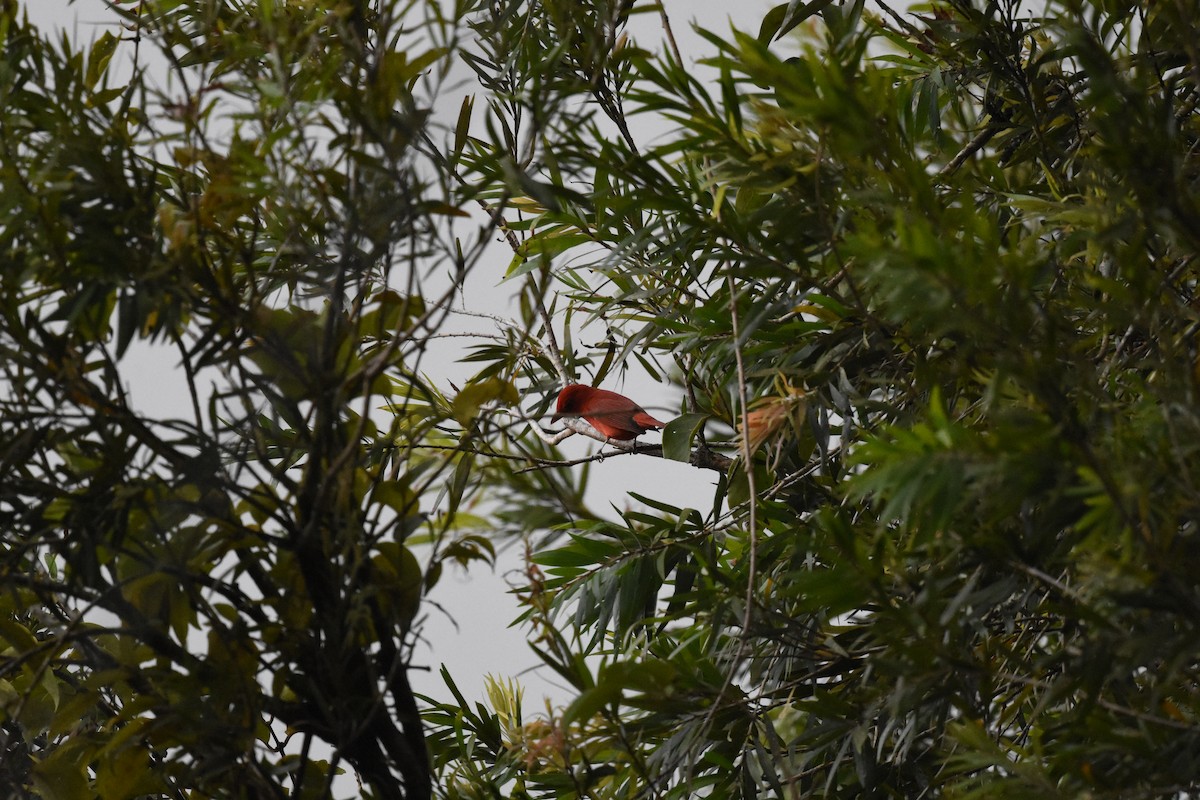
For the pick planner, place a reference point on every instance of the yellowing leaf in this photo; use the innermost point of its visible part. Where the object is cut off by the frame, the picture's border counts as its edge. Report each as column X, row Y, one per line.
column 468, row 402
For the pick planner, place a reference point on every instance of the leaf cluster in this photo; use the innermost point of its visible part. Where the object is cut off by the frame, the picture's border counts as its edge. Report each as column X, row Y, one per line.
column 208, row 578
column 939, row 269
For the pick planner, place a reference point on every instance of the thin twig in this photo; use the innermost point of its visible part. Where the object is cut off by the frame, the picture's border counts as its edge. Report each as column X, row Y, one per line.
column 907, row 26
column 744, row 446
column 1108, row 705
column 546, row 463
column 748, row 466
column 973, row 147
column 580, row 426
column 190, row 374
column 496, row 214
column 549, row 339
column 702, row 457
column 666, row 23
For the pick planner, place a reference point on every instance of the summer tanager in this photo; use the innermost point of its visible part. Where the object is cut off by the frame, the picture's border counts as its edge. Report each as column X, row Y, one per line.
column 614, row 415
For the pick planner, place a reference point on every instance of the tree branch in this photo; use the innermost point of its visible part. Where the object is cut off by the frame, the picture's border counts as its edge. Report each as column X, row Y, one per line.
column 973, row 147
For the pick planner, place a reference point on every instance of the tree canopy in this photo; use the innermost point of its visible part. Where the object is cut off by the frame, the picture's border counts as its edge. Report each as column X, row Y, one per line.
column 923, row 281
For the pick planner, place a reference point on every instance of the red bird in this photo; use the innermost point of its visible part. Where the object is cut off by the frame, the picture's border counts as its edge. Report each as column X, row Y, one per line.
column 614, row 415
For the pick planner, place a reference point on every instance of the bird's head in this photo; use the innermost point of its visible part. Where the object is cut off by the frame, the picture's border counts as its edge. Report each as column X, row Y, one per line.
column 571, row 400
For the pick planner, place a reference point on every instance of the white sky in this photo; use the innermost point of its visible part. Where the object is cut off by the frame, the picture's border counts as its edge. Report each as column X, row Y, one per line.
column 477, row 640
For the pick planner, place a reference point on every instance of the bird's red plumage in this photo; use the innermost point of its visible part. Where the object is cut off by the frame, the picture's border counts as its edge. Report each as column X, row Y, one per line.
column 614, row 415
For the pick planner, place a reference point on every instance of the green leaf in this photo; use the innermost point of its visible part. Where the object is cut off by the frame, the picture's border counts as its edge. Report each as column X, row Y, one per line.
column 678, row 436
column 16, row 636
column 771, row 22
column 125, row 773
column 396, row 495
column 651, row 678
column 62, row 774
column 463, row 127
column 467, row 403
column 99, row 56
column 783, row 18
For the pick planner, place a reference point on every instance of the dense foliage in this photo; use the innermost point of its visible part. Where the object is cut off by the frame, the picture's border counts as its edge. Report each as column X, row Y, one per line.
column 939, row 269
column 926, row 290
column 209, row 593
